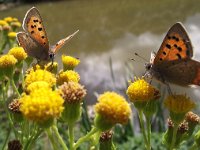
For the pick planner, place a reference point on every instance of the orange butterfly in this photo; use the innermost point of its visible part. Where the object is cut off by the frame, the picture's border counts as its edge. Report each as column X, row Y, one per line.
column 173, row 62
column 34, row 40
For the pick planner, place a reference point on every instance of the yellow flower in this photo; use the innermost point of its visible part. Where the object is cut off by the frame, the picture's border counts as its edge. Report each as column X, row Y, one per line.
column 111, row 109
column 12, row 35
column 179, row 103
column 67, row 76
column 37, row 85
column 40, row 75
column 72, row 92
column 69, row 63
column 41, row 105
column 18, row 53
column 3, row 23
column 7, row 61
column 140, row 90
column 8, row 19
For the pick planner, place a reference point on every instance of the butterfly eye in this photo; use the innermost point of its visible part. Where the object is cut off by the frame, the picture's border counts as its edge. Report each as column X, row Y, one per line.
column 51, row 56
column 148, row 66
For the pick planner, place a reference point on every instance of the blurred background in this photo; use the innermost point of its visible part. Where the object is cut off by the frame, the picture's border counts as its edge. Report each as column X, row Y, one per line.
column 111, row 31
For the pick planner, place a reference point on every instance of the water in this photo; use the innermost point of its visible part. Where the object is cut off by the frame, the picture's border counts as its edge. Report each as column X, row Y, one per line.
column 114, row 30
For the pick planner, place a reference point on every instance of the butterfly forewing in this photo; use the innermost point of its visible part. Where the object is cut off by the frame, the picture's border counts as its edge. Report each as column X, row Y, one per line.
column 33, row 24
column 62, row 42
column 31, row 47
column 176, row 45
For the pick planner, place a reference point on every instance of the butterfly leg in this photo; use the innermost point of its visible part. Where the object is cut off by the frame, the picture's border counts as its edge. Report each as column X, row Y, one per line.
column 168, row 88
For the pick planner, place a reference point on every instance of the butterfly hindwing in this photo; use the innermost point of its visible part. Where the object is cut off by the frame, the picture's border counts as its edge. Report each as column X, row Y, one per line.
column 176, row 45
column 33, row 24
column 31, row 47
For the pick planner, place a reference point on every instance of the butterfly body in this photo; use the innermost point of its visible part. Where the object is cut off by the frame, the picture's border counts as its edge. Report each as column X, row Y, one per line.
column 173, row 62
column 34, row 39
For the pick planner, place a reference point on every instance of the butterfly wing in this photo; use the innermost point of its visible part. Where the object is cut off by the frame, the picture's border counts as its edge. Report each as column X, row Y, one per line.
column 62, row 42
column 31, row 47
column 182, row 72
column 176, row 45
column 33, row 25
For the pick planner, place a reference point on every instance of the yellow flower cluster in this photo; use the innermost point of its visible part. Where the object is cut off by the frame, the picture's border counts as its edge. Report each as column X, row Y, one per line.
column 18, row 53
column 7, row 61
column 40, row 75
column 179, row 103
column 113, row 108
column 41, row 105
column 140, row 90
column 69, row 62
column 67, row 76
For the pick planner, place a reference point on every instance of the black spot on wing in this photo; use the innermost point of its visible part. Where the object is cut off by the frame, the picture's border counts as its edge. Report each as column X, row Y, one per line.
column 179, row 56
column 39, row 29
column 32, row 32
column 168, row 46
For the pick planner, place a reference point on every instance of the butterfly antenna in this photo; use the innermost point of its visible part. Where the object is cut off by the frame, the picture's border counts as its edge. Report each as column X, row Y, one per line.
column 136, row 54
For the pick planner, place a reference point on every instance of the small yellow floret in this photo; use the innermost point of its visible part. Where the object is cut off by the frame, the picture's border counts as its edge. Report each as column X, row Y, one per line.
column 140, row 90
column 179, row 103
column 70, row 62
column 18, row 53
column 7, row 61
column 67, row 76
column 41, row 105
column 40, row 75
column 113, row 108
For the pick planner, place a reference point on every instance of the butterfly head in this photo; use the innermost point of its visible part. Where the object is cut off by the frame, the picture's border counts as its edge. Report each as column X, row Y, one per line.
column 148, row 66
column 51, row 56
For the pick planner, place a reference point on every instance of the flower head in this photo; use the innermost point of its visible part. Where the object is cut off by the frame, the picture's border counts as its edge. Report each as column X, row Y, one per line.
column 179, row 103
column 40, row 75
column 67, row 76
column 111, row 109
column 140, row 90
column 41, row 105
column 7, row 61
column 18, row 53
column 69, row 62
column 3, row 23
column 12, row 35
column 16, row 24
column 72, row 92
column 8, row 19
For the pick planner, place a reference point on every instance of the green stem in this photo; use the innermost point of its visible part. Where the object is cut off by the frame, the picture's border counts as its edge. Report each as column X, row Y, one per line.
column 54, row 127
column 32, row 139
column 6, row 140
column 148, row 132
column 8, row 114
column 71, row 135
column 140, row 114
column 174, row 136
column 49, row 133
column 86, row 137
column 15, row 88
column 194, row 147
